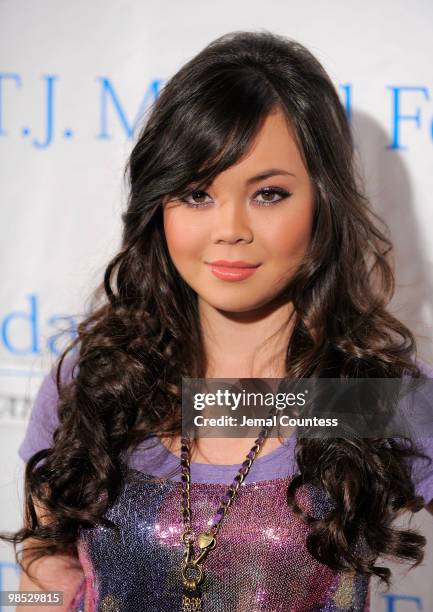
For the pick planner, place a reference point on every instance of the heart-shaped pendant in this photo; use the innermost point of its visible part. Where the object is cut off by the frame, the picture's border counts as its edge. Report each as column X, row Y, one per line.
column 206, row 539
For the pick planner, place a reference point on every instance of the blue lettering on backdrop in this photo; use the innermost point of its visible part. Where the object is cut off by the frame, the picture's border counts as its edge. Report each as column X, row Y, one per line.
column 107, row 90
column 109, row 96
column 397, row 117
column 49, row 111
column 27, row 324
column 31, row 320
column 56, row 339
column 347, row 102
column 3, row 76
column 393, row 598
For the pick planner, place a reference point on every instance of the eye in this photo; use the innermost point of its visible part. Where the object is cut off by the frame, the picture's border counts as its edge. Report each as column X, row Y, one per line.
column 270, row 195
column 196, row 199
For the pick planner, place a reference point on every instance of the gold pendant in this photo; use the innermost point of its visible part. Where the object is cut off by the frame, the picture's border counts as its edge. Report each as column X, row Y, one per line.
column 191, row 603
column 191, row 597
column 192, row 573
column 192, row 576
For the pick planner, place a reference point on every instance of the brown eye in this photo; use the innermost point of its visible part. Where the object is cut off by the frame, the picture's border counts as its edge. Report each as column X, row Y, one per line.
column 196, row 199
column 270, row 195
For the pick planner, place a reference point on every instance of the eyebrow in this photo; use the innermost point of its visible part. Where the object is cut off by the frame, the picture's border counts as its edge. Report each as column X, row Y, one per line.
column 266, row 174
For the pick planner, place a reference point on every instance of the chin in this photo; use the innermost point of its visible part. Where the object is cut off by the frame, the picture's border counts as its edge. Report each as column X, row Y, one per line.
column 238, row 305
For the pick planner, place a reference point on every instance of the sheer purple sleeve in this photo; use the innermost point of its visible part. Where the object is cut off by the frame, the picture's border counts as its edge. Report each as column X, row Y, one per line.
column 43, row 418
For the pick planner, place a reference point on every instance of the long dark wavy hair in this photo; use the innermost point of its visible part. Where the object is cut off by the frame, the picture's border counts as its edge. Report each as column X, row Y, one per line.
column 141, row 334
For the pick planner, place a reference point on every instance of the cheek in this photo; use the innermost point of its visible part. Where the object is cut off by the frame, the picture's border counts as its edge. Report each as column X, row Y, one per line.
column 184, row 238
column 288, row 238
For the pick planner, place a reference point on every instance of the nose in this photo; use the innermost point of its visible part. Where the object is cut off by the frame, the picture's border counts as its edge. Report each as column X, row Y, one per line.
column 231, row 224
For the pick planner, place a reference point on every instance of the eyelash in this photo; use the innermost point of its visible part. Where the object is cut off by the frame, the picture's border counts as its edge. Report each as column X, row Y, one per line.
column 267, row 190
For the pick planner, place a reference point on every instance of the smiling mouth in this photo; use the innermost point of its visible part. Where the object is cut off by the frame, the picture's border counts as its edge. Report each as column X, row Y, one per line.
column 226, row 263
column 235, row 271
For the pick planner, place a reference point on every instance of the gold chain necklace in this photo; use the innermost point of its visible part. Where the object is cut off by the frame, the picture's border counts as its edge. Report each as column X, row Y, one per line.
column 192, row 571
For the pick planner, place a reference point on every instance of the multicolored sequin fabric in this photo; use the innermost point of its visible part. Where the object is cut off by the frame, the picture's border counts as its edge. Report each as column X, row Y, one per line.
column 260, row 563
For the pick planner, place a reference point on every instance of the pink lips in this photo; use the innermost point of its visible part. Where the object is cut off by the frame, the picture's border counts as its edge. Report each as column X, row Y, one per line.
column 232, row 270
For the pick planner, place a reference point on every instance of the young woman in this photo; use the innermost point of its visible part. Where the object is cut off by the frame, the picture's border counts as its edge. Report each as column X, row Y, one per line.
column 246, row 156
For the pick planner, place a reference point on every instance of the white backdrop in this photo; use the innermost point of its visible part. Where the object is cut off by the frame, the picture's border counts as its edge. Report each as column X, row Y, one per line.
column 74, row 80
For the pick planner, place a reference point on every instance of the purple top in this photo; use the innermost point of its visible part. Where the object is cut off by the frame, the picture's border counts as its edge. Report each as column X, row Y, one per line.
column 154, row 458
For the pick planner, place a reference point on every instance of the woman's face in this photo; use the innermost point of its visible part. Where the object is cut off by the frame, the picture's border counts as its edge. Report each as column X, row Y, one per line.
column 259, row 211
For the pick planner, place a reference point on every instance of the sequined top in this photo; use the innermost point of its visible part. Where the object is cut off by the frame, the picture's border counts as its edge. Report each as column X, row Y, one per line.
column 260, row 563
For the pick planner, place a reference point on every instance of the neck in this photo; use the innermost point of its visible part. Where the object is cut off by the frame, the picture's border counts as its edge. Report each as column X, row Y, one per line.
column 249, row 344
